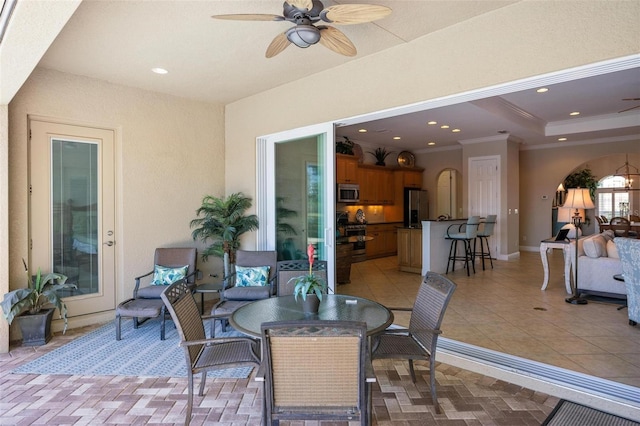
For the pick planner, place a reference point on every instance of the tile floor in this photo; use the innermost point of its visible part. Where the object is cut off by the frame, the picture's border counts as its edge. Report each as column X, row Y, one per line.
column 504, row 309
column 495, row 308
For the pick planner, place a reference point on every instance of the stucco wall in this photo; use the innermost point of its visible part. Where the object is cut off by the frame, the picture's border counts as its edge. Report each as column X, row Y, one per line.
column 518, row 41
column 170, row 152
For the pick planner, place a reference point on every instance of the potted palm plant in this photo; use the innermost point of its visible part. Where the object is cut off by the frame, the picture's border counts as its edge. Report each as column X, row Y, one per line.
column 380, row 154
column 309, row 287
column 223, row 221
column 27, row 306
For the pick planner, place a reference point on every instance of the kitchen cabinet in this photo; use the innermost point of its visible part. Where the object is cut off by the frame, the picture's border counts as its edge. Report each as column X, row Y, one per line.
column 376, row 185
column 346, row 169
column 410, row 250
column 411, row 178
column 385, row 240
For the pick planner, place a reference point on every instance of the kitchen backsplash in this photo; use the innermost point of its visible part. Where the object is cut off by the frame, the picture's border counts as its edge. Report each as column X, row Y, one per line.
column 372, row 214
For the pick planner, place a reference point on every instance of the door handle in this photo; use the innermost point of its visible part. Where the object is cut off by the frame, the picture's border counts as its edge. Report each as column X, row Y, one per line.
column 109, row 243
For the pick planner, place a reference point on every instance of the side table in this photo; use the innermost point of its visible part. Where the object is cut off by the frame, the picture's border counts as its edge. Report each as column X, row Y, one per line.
column 207, row 288
column 546, row 245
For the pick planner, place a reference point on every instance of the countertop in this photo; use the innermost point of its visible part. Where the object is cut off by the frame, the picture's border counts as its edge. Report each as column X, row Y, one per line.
column 354, row 239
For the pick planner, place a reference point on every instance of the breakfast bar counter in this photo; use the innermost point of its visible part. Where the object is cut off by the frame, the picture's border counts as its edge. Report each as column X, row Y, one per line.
column 435, row 248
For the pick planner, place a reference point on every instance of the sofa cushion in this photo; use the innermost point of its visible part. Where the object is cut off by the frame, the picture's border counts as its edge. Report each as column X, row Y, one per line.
column 612, row 250
column 595, row 246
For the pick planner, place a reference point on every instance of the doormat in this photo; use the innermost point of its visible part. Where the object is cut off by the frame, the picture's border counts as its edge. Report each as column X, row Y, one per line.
column 568, row 413
column 140, row 353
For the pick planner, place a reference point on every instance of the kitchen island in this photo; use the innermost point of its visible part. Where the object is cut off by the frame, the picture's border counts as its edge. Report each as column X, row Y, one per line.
column 435, row 248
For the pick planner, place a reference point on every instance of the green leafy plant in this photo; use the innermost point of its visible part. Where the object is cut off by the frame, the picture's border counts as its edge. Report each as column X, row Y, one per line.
column 582, row 179
column 344, row 147
column 40, row 292
column 223, row 221
column 309, row 284
column 380, row 154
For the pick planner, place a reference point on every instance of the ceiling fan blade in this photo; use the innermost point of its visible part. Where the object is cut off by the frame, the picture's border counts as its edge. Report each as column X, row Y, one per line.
column 249, row 17
column 354, row 13
column 629, row 109
column 631, row 99
column 277, row 45
column 301, row 4
column 334, row 39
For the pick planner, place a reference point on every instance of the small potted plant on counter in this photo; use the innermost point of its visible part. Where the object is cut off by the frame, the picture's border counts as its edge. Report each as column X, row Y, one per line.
column 27, row 305
column 309, row 287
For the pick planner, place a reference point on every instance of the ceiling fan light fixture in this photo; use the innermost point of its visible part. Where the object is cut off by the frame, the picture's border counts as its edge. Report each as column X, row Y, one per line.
column 303, row 35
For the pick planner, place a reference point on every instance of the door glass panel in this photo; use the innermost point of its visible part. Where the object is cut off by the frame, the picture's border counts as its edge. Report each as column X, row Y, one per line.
column 300, row 177
column 74, row 220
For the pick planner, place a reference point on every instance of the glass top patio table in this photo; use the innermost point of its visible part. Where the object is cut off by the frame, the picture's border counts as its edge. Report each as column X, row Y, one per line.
column 338, row 307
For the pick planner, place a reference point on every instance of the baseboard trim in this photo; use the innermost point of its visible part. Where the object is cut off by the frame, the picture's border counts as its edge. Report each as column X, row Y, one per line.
column 605, row 395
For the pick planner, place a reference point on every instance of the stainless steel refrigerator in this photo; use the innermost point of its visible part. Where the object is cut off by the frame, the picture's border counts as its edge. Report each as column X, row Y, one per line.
column 416, row 207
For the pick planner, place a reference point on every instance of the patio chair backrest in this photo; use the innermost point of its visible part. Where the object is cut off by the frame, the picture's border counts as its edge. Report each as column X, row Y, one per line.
column 314, row 368
column 175, row 257
column 186, row 316
column 288, row 269
column 429, row 308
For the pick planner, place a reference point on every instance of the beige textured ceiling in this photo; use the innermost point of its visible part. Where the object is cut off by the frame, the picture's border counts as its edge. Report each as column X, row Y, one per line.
column 222, row 61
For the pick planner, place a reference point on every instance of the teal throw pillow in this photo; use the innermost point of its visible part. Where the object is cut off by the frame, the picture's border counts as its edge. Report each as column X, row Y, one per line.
column 166, row 276
column 252, row 276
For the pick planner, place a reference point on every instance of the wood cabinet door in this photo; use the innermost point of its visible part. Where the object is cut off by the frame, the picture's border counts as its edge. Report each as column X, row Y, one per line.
column 404, row 247
column 412, row 179
column 416, row 248
column 346, row 169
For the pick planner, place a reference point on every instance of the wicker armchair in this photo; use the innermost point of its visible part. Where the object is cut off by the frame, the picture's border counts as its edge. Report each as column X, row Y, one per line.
column 316, row 370
column 419, row 341
column 629, row 252
column 204, row 354
column 288, row 269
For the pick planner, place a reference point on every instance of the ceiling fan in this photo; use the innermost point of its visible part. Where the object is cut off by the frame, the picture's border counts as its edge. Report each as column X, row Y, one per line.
column 630, row 99
column 305, row 14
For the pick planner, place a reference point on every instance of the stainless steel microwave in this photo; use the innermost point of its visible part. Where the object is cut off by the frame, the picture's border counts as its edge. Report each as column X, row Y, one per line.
column 348, row 193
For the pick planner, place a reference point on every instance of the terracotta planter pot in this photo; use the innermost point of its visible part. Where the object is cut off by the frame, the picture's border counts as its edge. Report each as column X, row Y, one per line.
column 35, row 328
column 311, row 304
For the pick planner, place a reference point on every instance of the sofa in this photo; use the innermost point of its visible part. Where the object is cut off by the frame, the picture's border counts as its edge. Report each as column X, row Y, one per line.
column 598, row 262
column 629, row 250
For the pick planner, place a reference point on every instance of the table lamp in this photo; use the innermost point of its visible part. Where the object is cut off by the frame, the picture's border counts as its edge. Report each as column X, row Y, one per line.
column 577, row 198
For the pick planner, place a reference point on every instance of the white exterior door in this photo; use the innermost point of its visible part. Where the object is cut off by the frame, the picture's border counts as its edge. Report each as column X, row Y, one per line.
column 484, row 193
column 72, row 211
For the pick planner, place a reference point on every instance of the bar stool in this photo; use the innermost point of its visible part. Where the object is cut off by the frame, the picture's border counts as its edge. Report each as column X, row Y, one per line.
column 483, row 236
column 469, row 234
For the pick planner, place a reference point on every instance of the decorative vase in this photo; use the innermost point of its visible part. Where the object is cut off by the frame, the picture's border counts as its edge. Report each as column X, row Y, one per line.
column 311, row 304
column 35, row 328
column 380, row 163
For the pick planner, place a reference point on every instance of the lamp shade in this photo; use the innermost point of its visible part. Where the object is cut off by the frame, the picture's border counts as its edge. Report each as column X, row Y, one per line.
column 579, row 198
column 565, row 214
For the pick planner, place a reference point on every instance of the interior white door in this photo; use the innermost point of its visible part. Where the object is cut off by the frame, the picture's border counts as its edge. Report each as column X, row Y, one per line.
column 72, row 211
column 484, row 193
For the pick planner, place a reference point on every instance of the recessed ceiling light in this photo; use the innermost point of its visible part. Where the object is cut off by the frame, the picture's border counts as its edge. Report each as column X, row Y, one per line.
column 562, row 139
column 396, row 138
column 431, row 123
column 159, row 70
column 456, row 130
column 431, row 143
column 542, row 90
column 444, row 126
column 362, row 130
column 575, row 113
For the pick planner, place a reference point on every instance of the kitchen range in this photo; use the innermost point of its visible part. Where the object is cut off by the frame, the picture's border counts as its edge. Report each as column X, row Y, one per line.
column 356, row 229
